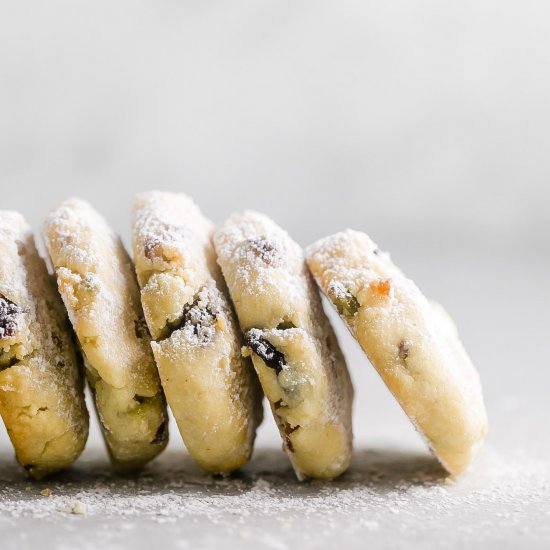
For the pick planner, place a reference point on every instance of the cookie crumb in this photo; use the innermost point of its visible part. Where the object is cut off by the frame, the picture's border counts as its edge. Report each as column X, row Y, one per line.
column 262, row 484
column 46, row 492
column 77, row 508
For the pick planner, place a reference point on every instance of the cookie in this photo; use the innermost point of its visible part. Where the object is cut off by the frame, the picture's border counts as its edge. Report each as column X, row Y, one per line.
column 412, row 343
column 212, row 390
column 98, row 285
column 293, row 347
column 41, row 384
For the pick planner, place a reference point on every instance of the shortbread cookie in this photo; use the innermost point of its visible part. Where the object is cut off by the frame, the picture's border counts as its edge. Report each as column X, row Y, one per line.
column 211, row 389
column 41, row 384
column 97, row 282
column 295, row 352
column 412, row 343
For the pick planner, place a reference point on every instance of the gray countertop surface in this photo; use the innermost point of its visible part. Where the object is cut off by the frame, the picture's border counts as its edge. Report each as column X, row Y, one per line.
column 394, row 495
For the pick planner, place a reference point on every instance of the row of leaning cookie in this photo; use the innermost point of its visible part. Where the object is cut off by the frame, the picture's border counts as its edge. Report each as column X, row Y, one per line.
column 169, row 310
column 211, row 389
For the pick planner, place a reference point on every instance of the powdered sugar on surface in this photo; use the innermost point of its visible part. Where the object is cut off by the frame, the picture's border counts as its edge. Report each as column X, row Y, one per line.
column 504, row 498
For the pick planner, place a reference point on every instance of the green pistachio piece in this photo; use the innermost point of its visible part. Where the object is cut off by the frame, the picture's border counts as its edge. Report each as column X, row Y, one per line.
column 346, row 303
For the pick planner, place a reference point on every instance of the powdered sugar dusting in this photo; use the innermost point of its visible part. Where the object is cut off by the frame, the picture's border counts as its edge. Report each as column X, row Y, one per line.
column 256, row 243
column 200, row 322
column 169, row 231
column 389, row 492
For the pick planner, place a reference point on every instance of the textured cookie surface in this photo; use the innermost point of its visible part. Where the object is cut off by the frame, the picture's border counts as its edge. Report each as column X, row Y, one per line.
column 294, row 350
column 41, row 389
column 411, row 342
column 97, row 282
column 211, row 389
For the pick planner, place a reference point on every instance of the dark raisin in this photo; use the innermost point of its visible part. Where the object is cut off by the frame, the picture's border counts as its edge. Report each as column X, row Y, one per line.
column 171, row 327
column 269, row 354
column 404, row 349
column 160, row 436
column 10, row 317
column 140, row 328
column 266, row 250
column 346, row 303
column 287, row 430
column 8, row 364
column 151, row 249
column 199, row 318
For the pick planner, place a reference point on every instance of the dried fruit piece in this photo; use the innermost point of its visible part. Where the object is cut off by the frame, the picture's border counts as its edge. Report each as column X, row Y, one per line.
column 161, row 435
column 201, row 320
column 267, row 352
column 288, row 430
column 152, row 249
column 159, row 245
column 404, row 349
column 140, row 328
column 198, row 318
column 7, row 362
column 383, row 287
column 10, row 318
column 346, row 303
column 266, row 250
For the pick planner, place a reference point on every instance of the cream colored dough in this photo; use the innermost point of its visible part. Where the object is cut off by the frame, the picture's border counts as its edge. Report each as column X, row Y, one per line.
column 41, row 385
column 293, row 347
column 211, row 389
column 97, row 282
column 411, row 342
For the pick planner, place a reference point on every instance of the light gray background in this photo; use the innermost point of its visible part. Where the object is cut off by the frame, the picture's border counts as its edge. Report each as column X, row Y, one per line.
column 424, row 123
